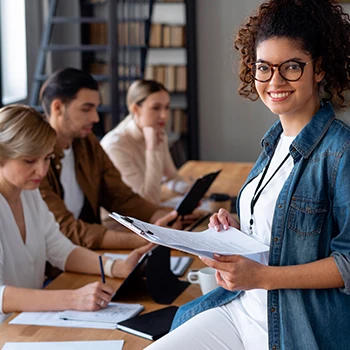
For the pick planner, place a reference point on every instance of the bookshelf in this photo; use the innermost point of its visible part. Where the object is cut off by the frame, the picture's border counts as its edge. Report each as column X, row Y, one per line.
column 155, row 39
column 168, row 61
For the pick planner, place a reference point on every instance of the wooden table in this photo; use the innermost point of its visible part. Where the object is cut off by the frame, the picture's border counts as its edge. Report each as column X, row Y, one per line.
column 28, row 333
column 229, row 181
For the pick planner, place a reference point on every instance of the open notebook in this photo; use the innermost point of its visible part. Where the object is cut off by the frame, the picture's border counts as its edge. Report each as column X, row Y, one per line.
column 105, row 318
column 113, row 313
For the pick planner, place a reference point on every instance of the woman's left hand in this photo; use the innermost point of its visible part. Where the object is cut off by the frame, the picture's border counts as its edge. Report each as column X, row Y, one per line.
column 235, row 272
column 122, row 268
column 184, row 221
column 180, row 221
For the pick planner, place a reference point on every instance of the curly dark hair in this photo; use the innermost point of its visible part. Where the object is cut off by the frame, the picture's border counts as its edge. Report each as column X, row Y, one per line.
column 322, row 29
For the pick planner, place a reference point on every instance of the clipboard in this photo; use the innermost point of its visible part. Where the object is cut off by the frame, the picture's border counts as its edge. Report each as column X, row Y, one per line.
column 204, row 243
column 196, row 193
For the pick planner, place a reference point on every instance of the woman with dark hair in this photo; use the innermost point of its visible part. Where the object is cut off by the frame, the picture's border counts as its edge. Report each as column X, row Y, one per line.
column 138, row 146
column 295, row 57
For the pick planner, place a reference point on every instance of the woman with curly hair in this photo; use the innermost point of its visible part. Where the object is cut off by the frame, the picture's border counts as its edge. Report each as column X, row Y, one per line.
column 295, row 57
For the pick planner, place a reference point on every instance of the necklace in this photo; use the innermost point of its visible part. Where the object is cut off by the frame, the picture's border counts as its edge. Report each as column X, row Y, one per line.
column 257, row 193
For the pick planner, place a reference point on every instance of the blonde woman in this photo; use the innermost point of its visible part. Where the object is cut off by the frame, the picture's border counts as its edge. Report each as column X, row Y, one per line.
column 29, row 234
column 138, row 146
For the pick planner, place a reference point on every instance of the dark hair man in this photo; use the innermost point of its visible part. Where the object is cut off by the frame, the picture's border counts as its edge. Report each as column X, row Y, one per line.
column 81, row 178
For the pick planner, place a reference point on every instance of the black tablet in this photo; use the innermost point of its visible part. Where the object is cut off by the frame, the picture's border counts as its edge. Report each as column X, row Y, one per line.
column 135, row 282
column 152, row 276
column 196, row 193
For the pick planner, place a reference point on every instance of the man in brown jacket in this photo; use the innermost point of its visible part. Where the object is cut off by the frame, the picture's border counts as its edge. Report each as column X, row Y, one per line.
column 81, row 178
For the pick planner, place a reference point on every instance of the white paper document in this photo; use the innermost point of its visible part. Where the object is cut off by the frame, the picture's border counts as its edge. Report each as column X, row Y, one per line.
column 113, row 313
column 178, row 264
column 205, row 243
column 53, row 319
column 67, row 345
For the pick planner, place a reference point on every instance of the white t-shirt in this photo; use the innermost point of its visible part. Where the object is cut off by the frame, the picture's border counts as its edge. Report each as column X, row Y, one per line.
column 23, row 264
column 254, row 302
column 73, row 195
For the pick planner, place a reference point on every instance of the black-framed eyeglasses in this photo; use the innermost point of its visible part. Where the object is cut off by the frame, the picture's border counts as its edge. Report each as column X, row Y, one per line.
column 290, row 70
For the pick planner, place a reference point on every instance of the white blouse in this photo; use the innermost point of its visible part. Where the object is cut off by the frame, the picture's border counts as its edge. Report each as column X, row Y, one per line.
column 23, row 264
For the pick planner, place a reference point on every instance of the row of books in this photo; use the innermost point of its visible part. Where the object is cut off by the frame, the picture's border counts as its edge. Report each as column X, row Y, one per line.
column 177, row 121
column 129, row 33
column 98, row 33
column 133, row 34
column 162, row 35
column 174, row 78
column 102, row 1
column 124, row 70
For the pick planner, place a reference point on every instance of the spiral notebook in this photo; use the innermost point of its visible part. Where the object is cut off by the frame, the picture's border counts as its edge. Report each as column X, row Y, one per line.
column 113, row 313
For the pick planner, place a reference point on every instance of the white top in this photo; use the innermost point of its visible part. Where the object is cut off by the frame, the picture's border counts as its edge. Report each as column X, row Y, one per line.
column 254, row 302
column 73, row 195
column 141, row 169
column 23, row 265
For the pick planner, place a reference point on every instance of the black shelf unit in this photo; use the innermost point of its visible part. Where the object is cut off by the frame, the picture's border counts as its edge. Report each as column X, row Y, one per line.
column 187, row 145
column 192, row 107
column 116, row 14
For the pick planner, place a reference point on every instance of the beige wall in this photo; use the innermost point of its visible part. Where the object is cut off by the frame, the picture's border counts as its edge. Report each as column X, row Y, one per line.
column 230, row 127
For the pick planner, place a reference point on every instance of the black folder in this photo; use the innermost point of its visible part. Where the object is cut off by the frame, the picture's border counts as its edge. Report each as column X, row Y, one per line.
column 152, row 325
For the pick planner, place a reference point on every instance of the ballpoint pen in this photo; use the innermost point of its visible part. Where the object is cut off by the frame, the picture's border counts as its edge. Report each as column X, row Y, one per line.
column 102, row 270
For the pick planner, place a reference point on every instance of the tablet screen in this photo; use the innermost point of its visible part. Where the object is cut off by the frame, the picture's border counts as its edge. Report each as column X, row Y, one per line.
column 136, row 279
column 196, row 193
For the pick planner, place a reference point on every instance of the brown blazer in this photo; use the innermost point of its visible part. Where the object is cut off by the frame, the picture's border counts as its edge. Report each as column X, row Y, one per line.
column 102, row 186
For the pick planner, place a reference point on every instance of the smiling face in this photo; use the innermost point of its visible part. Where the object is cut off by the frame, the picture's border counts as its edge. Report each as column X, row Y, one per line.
column 154, row 110
column 25, row 173
column 296, row 100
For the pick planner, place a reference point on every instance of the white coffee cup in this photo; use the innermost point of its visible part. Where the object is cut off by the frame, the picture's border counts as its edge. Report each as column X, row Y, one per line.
column 205, row 278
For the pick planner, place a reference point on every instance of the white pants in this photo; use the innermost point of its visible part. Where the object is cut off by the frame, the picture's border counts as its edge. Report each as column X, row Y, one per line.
column 226, row 327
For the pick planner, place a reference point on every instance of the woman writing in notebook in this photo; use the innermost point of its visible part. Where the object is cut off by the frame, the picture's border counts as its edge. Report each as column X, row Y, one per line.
column 29, row 234
column 138, row 146
column 295, row 56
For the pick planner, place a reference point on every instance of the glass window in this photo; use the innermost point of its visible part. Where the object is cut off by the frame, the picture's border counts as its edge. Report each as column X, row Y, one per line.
column 13, row 51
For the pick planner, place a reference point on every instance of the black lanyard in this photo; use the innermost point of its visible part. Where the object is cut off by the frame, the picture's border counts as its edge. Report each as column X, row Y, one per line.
column 257, row 194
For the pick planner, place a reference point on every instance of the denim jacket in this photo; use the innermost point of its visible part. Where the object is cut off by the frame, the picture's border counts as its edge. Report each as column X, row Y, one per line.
column 311, row 222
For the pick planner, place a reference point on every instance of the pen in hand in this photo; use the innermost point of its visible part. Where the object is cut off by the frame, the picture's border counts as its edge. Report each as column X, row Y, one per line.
column 102, row 270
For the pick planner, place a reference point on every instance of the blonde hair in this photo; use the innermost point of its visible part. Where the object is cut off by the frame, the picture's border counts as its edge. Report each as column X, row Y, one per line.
column 24, row 132
column 139, row 90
